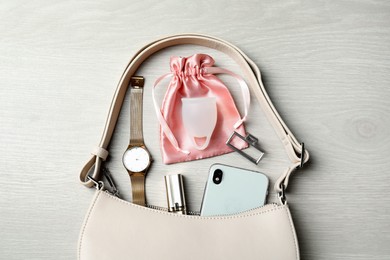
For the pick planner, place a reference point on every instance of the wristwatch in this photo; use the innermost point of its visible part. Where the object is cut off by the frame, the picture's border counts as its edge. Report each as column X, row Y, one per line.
column 136, row 158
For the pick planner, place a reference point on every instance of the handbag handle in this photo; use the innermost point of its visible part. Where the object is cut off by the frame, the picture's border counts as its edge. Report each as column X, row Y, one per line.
column 295, row 150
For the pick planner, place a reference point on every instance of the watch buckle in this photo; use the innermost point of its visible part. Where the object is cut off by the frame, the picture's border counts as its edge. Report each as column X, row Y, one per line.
column 137, row 82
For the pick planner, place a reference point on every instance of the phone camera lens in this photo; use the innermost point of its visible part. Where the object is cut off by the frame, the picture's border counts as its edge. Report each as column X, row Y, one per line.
column 217, row 177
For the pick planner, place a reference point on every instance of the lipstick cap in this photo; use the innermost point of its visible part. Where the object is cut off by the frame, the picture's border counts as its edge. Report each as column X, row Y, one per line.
column 175, row 194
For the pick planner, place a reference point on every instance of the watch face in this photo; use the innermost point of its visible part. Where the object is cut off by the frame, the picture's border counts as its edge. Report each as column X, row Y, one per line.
column 136, row 159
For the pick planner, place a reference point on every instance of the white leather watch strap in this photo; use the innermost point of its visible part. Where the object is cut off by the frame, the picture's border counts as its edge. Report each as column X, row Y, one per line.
column 252, row 74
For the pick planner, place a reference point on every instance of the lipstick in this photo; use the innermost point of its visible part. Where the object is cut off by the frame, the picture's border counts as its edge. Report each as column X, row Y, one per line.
column 175, row 194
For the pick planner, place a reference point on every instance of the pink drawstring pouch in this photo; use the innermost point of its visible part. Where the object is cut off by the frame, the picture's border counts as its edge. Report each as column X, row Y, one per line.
column 198, row 113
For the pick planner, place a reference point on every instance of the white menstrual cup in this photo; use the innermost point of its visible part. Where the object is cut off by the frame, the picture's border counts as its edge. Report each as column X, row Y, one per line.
column 199, row 118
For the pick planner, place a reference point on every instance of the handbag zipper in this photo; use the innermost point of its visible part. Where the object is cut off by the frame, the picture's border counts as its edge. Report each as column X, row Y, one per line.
column 197, row 213
column 189, row 212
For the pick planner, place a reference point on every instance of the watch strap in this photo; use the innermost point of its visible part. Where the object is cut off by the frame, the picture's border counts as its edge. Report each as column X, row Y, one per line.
column 138, row 188
column 136, row 96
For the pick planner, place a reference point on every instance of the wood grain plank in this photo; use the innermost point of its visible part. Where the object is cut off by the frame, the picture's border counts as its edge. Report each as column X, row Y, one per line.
column 325, row 65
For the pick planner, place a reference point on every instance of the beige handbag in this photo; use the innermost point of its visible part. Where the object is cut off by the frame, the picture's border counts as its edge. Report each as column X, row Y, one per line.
column 116, row 229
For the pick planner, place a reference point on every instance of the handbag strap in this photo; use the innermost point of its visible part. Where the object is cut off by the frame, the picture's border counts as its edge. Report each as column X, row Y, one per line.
column 295, row 150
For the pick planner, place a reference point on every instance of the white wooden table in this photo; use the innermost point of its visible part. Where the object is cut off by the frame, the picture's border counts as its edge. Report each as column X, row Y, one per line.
column 326, row 66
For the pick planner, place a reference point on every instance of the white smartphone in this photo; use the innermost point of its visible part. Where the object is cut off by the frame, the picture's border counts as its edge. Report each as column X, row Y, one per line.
column 230, row 190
